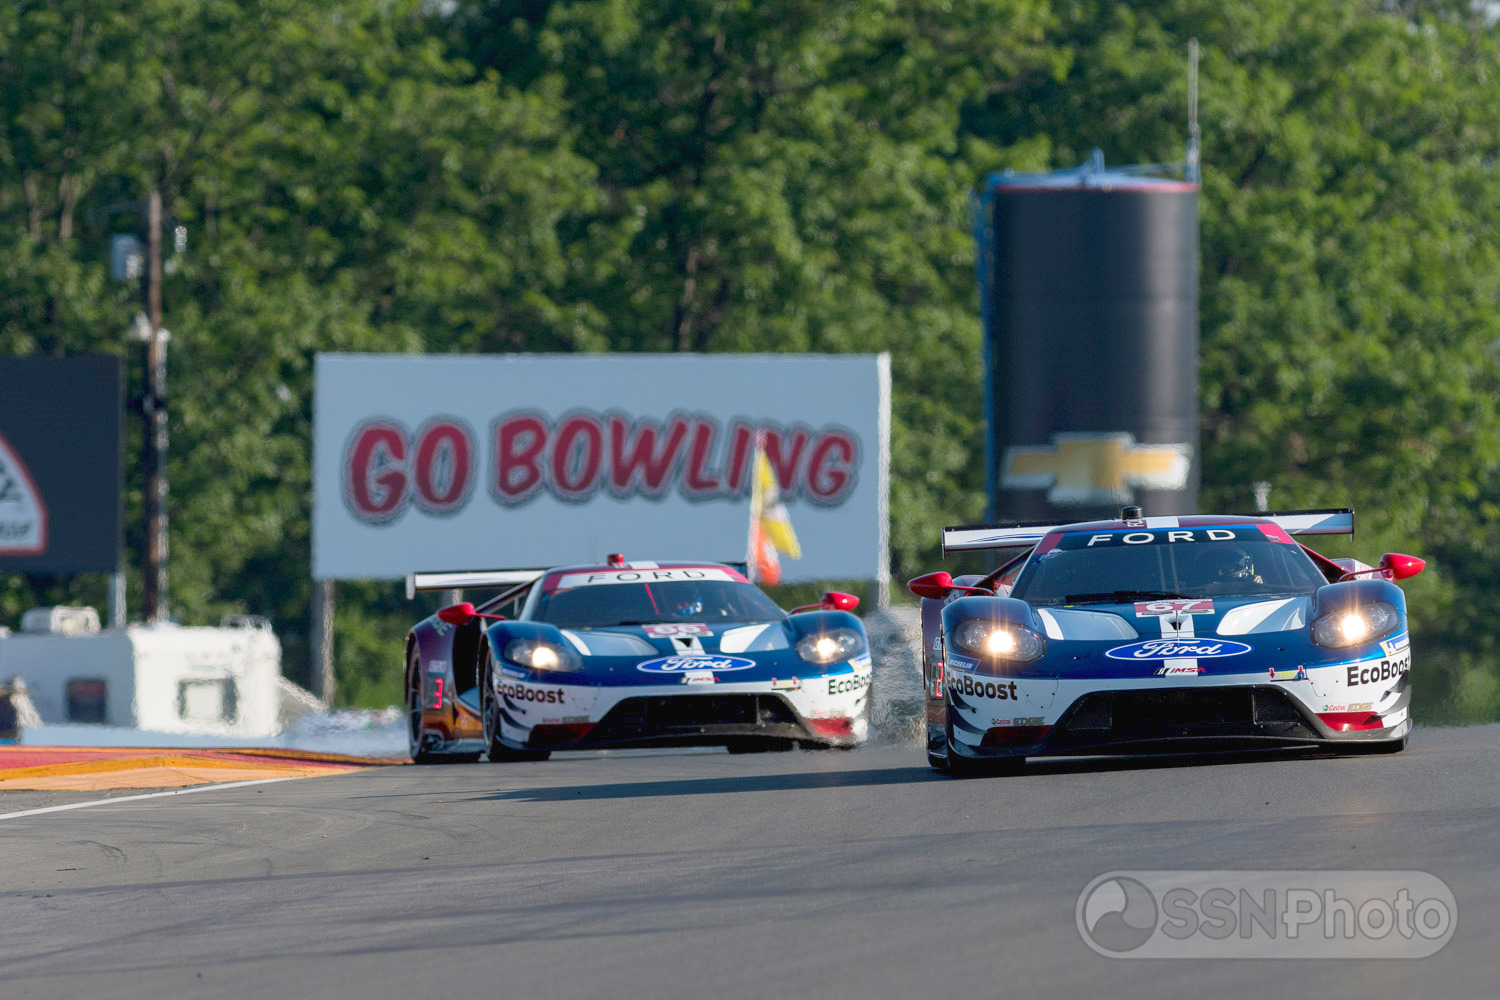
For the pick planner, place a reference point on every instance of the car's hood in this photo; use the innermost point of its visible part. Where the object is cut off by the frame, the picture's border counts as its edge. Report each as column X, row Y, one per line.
column 1219, row 616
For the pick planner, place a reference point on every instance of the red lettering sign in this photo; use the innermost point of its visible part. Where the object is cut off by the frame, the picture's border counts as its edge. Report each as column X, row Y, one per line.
column 386, row 469
column 376, row 487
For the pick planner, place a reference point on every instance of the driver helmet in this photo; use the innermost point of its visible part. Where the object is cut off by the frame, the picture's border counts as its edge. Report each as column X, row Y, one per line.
column 687, row 603
column 1226, row 563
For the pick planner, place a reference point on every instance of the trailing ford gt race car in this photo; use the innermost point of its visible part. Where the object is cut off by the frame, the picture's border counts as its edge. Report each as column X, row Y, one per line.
column 631, row 655
column 1163, row 633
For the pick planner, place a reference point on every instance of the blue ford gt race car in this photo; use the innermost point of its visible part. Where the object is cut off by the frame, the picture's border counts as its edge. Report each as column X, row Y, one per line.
column 631, row 654
column 1158, row 634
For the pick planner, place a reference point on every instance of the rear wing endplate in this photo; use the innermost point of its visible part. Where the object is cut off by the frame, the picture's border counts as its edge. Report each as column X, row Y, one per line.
column 476, row 579
column 1333, row 521
column 997, row 536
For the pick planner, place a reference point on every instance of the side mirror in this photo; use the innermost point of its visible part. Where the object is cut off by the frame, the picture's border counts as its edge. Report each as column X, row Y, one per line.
column 934, row 585
column 1395, row 566
column 837, row 601
column 457, row 614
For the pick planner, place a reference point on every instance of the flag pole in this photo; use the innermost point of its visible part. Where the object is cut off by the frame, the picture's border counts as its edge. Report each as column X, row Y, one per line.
column 750, row 553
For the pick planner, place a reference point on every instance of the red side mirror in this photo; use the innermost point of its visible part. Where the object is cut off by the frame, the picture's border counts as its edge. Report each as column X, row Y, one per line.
column 458, row 614
column 837, row 601
column 934, row 585
column 1395, row 566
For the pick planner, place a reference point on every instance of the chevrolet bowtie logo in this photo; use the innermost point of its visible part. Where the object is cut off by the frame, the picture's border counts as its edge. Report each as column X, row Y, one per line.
column 1086, row 470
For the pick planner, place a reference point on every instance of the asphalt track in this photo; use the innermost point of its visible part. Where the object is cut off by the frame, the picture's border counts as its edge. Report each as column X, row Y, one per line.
column 698, row 874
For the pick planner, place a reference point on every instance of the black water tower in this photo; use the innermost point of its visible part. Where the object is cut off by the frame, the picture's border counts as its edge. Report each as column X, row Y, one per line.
column 1089, row 281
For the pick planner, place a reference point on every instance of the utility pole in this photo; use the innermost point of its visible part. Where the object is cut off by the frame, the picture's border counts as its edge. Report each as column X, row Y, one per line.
column 154, row 408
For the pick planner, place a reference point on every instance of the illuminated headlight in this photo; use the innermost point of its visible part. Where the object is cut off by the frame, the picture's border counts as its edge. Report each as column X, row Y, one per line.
column 833, row 646
column 539, row 654
column 998, row 640
column 1352, row 626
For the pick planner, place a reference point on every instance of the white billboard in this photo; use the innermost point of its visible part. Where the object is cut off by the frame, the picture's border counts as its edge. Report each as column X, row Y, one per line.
column 452, row 462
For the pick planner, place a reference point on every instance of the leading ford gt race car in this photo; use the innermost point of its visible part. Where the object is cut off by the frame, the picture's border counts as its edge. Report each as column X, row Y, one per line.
column 631, row 655
column 1163, row 633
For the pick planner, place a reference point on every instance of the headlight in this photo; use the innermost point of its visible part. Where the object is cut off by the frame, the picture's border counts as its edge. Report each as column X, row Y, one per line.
column 830, row 647
column 539, row 654
column 998, row 640
column 1352, row 626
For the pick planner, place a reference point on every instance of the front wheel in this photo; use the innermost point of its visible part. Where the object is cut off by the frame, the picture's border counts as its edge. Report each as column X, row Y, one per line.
column 489, row 711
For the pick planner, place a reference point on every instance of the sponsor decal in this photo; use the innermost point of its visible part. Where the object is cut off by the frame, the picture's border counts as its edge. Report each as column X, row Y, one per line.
column 957, row 662
column 437, row 666
column 1081, row 469
column 698, row 677
column 862, row 663
column 516, row 672
column 1001, row 722
column 1300, row 674
column 1334, row 708
column 573, row 719
column 790, row 684
column 1159, row 609
column 1397, row 645
column 541, row 696
column 1179, row 670
column 1028, row 720
column 979, row 688
column 848, row 683
column 1359, row 706
column 676, row 664
column 1178, row 649
column 672, row 630
column 604, row 577
column 1370, row 672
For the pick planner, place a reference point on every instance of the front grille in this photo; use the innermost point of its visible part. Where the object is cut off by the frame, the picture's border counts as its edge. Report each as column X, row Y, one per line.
column 1182, row 713
column 693, row 714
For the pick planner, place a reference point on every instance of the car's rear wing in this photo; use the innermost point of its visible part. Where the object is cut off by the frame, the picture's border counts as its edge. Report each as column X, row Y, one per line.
column 1019, row 535
column 1334, row 521
column 468, row 579
column 974, row 537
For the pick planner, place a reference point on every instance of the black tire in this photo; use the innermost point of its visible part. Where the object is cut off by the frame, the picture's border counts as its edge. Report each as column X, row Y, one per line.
column 759, row 744
column 489, row 711
column 416, row 746
column 937, row 762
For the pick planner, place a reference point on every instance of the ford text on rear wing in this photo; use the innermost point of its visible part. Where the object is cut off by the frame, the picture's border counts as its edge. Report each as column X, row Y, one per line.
column 491, row 579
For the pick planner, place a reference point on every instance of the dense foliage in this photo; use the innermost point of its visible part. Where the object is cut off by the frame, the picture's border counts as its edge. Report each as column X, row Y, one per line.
column 728, row 175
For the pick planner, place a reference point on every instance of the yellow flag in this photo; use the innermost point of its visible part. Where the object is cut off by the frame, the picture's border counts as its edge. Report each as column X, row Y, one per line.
column 770, row 525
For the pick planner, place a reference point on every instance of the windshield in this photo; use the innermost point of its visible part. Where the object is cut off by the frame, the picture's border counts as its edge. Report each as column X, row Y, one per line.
column 707, row 601
column 1113, row 567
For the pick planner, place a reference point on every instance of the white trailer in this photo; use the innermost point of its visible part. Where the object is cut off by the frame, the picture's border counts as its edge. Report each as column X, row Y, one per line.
column 161, row 678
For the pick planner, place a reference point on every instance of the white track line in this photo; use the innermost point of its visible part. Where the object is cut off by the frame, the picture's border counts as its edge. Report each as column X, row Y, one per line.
column 148, row 795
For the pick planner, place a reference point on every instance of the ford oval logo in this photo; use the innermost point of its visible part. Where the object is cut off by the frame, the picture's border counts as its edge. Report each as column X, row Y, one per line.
column 677, row 664
column 1175, row 649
